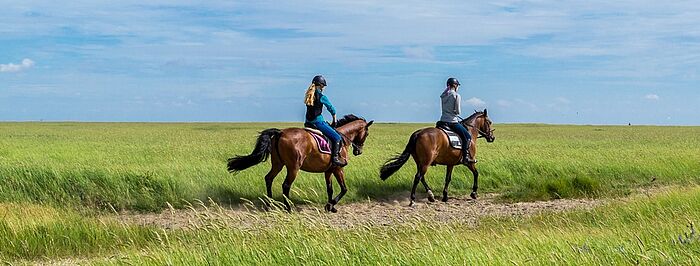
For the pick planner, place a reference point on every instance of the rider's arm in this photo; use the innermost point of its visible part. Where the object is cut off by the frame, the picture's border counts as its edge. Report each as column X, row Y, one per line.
column 458, row 103
column 327, row 103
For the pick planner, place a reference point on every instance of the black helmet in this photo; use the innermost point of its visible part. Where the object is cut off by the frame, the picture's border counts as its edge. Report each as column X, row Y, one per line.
column 319, row 80
column 451, row 81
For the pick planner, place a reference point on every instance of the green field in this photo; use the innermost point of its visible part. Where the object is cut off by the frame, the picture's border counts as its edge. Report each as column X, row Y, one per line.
column 56, row 178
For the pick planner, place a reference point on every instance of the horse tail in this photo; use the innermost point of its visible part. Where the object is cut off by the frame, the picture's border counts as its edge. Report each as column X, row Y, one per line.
column 260, row 153
column 394, row 164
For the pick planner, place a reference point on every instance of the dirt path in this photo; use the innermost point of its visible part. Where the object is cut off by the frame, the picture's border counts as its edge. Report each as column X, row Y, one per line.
column 460, row 210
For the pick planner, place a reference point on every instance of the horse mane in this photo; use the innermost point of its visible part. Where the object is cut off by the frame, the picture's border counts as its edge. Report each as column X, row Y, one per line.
column 347, row 119
column 474, row 116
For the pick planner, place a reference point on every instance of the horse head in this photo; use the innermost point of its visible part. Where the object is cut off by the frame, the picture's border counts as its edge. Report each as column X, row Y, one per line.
column 482, row 123
column 355, row 130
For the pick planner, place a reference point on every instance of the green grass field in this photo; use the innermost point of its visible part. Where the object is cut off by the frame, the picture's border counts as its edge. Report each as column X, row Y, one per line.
column 56, row 177
column 143, row 166
column 650, row 230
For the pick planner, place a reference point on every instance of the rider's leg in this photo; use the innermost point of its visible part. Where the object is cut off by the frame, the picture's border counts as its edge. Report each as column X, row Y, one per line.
column 466, row 142
column 335, row 140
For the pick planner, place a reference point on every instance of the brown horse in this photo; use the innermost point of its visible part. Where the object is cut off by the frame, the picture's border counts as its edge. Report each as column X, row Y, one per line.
column 430, row 146
column 296, row 149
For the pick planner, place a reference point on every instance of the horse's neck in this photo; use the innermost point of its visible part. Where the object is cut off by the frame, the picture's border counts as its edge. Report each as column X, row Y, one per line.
column 473, row 127
column 348, row 130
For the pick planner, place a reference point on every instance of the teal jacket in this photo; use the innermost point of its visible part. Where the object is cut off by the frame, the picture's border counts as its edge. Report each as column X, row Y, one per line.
column 314, row 112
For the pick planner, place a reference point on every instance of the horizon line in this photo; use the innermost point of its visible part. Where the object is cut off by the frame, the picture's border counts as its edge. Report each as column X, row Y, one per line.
column 301, row 122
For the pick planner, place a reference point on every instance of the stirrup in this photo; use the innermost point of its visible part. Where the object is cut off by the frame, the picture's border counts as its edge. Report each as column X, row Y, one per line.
column 335, row 160
column 335, row 155
column 468, row 159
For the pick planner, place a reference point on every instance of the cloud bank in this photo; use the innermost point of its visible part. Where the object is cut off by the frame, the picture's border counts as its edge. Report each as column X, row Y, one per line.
column 24, row 65
column 652, row 97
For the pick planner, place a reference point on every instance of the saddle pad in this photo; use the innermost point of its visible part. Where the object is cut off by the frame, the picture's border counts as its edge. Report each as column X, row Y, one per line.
column 455, row 141
column 321, row 141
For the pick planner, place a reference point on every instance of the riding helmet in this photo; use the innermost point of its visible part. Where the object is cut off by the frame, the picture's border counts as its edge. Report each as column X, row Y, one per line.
column 451, row 81
column 319, row 80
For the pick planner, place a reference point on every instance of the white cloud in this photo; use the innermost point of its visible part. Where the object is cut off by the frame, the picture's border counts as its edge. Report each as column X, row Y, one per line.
column 527, row 104
column 652, row 97
column 418, row 53
column 504, row 103
column 26, row 64
column 476, row 102
column 552, row 30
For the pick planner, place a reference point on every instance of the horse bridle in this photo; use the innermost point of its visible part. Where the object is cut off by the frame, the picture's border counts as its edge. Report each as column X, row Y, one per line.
column 482, row 134
column 354, row 146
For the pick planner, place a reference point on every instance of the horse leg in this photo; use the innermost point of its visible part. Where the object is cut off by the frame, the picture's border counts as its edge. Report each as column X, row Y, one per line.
column 340, row 177
column 329, row 189
column 472, row 167
column 448, row 178
column 431, row 196
column 419, row 174
column 276, row 168
column 287, row 185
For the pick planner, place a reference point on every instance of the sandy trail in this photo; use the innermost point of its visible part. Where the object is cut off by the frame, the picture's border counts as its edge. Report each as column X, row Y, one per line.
column 460, row 210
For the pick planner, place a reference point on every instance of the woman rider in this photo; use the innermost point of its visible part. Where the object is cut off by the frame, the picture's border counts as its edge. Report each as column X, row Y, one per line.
column 315, row 100
column 450, row 116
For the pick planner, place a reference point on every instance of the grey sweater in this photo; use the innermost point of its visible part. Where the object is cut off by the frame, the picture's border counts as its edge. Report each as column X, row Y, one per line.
column 450, row 106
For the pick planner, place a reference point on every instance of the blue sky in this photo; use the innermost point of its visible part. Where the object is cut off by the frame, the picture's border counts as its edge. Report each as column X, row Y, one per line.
column 571, row 62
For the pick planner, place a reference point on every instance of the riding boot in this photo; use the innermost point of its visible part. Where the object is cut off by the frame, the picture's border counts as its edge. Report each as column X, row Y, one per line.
column 467, row 158
column 335, row 154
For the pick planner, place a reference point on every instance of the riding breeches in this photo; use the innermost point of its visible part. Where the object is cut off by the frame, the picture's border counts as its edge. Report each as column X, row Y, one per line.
column 326, row 129
column 463, row 133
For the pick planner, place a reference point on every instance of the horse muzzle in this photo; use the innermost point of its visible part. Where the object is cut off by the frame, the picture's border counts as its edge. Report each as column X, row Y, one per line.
column 356, row 151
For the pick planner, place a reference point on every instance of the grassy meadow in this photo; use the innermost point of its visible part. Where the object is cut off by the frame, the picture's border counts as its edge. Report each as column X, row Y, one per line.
column 657, row 230
column 145, row 166
column 57, row 178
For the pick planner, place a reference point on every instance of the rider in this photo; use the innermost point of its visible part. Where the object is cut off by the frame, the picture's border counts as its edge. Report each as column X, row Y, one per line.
column 315, row 100
column 450, row 116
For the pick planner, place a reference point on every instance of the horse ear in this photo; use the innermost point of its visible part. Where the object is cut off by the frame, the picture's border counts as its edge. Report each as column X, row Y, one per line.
column 485, row 111
column 369, row 124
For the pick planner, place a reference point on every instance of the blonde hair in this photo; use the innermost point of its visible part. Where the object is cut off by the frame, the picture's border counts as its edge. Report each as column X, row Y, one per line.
column 310, row 94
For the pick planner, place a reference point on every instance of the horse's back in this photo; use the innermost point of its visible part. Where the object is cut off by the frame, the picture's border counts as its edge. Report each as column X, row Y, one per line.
column 292, row 131
column 298, row 147
column 291, row 143
column 433, row 147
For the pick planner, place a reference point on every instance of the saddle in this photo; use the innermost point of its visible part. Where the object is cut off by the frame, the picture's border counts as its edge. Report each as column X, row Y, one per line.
column 324, row 145
column 455, row 140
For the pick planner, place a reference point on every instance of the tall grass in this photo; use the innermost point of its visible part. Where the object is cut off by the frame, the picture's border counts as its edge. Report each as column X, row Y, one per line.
column 145, row 166
column 638, row 230
column 644, row 231
column 32, row 232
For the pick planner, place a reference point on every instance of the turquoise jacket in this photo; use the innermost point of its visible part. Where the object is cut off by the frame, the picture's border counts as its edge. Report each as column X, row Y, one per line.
column 327, row 103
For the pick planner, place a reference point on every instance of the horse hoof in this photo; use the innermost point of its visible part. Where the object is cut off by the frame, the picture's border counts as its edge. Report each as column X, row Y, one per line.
column 333, row 209
column 329, row 207
column 412, row 204
column 444, row 199
column 431, row 197
column 473, row 195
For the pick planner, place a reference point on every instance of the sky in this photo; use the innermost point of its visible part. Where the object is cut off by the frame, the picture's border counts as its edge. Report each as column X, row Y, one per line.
column 545, row 61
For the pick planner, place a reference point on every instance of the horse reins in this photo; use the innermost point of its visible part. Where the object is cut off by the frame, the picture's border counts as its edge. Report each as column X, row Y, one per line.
column 354, row 146
column 482, row 134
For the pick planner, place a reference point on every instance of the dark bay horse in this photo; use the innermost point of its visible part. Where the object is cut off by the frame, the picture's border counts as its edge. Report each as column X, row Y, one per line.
column 430, row 146
column 296, row 149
